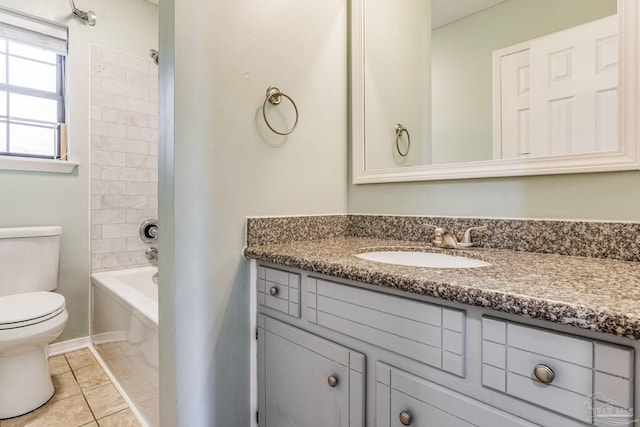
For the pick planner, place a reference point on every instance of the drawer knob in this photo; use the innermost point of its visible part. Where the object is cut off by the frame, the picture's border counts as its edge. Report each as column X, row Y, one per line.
column 273, row 291
column 333, row 381
column 544, row 374
column 405, row 418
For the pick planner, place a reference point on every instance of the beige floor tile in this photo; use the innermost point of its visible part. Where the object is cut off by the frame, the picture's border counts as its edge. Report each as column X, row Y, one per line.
column 90, row 377
column 119, row 419
column 58, row 365
column 104, row 400
column 80, row 359
column 65, row 386
column 91, row 424
column 70, row 412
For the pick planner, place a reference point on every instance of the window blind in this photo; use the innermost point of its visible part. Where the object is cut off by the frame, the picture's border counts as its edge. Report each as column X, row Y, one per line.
column 33, row 31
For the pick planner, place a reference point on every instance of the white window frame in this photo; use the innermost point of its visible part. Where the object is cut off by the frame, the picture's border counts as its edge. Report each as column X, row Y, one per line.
column 18, row 27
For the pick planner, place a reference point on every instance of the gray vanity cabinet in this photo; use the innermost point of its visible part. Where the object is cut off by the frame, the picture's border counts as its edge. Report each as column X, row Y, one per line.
column 426, row 364
column 307, row 381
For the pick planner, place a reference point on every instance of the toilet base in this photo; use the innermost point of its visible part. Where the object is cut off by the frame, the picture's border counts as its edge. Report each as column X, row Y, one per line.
column 25, row 383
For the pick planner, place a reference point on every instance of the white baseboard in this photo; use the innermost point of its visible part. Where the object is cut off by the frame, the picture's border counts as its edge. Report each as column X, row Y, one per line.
column 67, row 346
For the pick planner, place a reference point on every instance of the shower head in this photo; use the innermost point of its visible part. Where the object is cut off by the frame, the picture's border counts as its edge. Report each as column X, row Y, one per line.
column 89, row 16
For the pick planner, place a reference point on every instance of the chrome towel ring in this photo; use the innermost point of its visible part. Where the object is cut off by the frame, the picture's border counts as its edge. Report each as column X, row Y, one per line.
column 274, row 97
column 399, row 131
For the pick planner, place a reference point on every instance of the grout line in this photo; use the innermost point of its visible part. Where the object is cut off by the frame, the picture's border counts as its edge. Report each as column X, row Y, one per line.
column 131, row 405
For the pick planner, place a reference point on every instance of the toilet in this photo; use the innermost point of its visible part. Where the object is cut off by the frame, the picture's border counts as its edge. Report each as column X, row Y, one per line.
column 30, row 315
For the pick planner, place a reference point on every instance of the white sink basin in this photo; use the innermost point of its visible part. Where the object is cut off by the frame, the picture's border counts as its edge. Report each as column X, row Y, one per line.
column 423, row 259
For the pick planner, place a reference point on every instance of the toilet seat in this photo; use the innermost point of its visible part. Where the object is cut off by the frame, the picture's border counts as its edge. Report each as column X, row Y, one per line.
column 20, row 310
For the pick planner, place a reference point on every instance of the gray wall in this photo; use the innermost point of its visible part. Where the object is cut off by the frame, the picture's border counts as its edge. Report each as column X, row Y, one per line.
column 52, row 199
column 602, row 196
column 219, row 163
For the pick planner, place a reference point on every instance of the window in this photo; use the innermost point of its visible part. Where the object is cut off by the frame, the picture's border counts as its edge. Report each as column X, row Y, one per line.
column 32, row 87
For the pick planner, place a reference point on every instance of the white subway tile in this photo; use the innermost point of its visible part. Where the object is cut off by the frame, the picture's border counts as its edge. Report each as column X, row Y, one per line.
column 96, row 173
column 113, row 115
column 137, row 92
column 136, row 63
column 115, row 201
column 142, row 161
column 96, row 201
column 116, row 130
column 142, row 188
column 153, row 148
column 153, row 121
column 108, row 158
column 103, row 246
column 125, row 145
column 141, row 106
column 136, row 244
column 136, row 216
column 153, row 175
column 96, row 80
column 99, row 188
column 142, row 134
column 108, row 216
column 153, row 95
column 115, row 87
column 96, row 262
column 103, row 99
column 137, row 119
column 146, row 80
column 153, row 201
column 96, row 231
column 119, row 230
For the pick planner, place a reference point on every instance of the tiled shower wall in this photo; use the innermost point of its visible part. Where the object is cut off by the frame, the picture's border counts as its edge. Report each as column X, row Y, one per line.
column 124, row 156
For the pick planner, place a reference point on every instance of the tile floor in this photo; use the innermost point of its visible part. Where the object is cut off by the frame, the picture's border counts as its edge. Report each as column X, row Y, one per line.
column 84, row 397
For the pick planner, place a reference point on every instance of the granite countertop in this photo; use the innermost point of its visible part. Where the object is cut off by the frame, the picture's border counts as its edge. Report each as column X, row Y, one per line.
column 592, row 293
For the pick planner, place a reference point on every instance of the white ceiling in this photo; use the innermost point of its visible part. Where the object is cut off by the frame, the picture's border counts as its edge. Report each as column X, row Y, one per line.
column 446, row 11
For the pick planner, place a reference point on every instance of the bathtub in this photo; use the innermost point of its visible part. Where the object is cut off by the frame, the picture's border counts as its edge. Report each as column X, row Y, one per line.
column 124, row 333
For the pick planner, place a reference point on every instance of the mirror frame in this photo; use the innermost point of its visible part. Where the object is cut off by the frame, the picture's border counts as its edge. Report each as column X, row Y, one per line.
column 627, row 157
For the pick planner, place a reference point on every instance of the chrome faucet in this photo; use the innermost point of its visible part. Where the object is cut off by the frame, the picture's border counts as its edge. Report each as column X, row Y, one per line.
column 151, row 254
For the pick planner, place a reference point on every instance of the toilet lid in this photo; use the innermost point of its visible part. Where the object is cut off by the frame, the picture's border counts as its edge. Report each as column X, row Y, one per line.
column 28, row 308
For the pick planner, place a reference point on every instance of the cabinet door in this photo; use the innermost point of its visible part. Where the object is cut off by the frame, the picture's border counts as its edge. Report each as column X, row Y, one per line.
column 403, row 399
column 307, row 381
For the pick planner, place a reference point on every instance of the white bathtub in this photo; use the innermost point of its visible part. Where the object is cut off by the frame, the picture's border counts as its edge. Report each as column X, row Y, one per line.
column 124, row 332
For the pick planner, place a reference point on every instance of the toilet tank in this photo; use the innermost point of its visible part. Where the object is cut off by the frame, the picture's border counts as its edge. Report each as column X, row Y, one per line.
column 29, row 259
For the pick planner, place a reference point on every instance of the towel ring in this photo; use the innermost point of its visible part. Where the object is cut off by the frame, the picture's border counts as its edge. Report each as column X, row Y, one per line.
column 399, row 131
column 274, row 97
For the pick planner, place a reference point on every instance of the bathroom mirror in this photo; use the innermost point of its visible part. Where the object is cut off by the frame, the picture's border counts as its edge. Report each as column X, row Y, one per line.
column 441, row 90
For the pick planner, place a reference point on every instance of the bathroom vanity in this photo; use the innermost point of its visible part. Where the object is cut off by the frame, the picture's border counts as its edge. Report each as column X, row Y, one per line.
column 532, row 339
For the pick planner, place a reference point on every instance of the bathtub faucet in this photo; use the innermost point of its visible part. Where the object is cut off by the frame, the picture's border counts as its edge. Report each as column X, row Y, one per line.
column 151, row 254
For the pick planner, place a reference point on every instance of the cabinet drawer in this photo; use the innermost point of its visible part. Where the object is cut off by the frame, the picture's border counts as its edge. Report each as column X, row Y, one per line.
column 404, row 399
column 590, row 381
column 428, row 333
column 279, row 290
